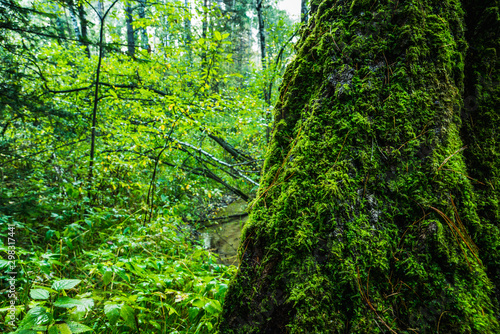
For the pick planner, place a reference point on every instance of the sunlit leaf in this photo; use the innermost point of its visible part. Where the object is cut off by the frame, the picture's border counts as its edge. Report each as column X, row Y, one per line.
column 65, row 284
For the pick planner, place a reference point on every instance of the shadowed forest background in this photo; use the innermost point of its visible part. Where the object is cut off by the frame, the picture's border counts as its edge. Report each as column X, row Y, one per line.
column 357, row 149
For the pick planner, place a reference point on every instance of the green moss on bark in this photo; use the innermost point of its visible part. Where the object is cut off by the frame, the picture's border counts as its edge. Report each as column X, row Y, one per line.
column 365, row 221
column 481, row 124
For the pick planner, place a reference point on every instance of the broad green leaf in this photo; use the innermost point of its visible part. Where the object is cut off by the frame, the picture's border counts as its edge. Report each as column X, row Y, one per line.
column 85, row 304
column 107, row 277
column 39, row 294
column 193, row 312
column 36, row 316
column 155, row 324
column 65, row 284
column 77, row 327
column 60, row 328
column 198, row 302
column 4, row 264
column 68, row 302
column 121, row 272
column 217, row 35
column 171, row 310
column 112, row 312
column 127, row 314
column 212, row 307
column 44, row 288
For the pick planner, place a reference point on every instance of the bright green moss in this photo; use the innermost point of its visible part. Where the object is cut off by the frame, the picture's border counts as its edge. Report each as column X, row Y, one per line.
column 357, row 224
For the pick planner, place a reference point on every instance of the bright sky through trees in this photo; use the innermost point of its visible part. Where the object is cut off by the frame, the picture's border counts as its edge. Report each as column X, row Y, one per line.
column 291, row 6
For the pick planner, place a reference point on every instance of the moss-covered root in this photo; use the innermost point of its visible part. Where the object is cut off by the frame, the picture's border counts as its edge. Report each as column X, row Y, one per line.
column 365, row 221
column 481, row 124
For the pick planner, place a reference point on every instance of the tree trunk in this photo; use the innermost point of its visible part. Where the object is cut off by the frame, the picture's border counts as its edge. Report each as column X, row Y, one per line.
column 144, row 33
column 59, row 25
column 187, row 30
column 303, row 11
column 367, row 218
column 262, row 34
column 130, row 29
column 74, row 20
column 83, row 25
column 314, row 5
column 481, row 119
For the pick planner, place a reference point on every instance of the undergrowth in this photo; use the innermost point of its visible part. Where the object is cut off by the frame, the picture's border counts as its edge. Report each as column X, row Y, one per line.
column 108, row 273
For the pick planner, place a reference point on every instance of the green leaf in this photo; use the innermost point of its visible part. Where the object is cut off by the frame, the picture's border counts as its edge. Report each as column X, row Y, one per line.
column 123, row 275
column 212, row 307
column 107, row 277
column 77, row 327
column 39, row 294
column 83, row 304
column 155, row 324
column 65, row 284
column 112, row 312
column 36, row 316
column 60, row 328
column 44, row 288
column 127, row 314
column 171, row 310
column 4, row 264
column 217, row 36
column 198, row 302
column 193, row 313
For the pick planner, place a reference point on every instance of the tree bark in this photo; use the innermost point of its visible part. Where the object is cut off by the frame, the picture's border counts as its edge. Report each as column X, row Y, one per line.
column 60, row 26
column 130, row 29
column 187, row 30
column 262, row 34
column 144, row 33
column 303, row 11
column 481, row 124
column 83, row 25
column 367, row 219
column 74, row 20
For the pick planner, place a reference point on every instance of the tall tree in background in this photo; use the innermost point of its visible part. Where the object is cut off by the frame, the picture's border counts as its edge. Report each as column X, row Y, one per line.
column 83, row 26
column 144, row 33
column 378, row 211
column 262, row 33
column 303, row 11
column 129, row 19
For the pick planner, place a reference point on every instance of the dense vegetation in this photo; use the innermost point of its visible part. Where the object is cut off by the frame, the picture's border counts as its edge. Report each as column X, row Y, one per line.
column 123, row 124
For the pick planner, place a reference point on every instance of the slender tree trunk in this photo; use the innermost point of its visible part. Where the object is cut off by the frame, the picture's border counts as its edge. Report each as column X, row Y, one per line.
column 187, row 30
column 60, row 26
column 144, row 33
column 102, row 19
column 262, row 34
column 204, row 26
column 74, row 20
column 303, row 11
column 100, row 8
column 366, row 220
column 263, row 58
column 130, row 29
column 83, row 25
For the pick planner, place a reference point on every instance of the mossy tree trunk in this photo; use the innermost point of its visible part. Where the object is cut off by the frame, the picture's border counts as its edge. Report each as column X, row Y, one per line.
column 380, row 179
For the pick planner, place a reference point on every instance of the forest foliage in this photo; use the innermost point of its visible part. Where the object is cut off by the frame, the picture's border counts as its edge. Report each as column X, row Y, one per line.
column 122, row 125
